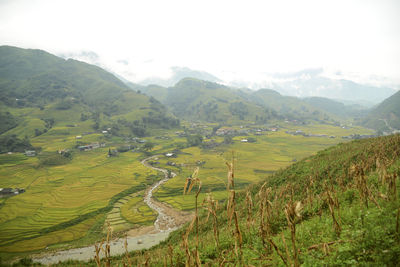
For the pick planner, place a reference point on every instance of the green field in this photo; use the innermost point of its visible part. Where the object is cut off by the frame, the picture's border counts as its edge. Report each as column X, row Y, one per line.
column 69, row 204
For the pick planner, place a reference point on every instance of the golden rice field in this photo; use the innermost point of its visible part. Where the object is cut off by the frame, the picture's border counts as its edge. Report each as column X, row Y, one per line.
column 254, row 161
column 51, row 213
column 60, row 194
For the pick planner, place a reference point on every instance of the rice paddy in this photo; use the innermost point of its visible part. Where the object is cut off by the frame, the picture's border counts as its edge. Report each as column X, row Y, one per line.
column 69, row 204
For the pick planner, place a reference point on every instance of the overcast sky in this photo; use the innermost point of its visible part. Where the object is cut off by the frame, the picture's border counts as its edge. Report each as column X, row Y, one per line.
column 226, row 38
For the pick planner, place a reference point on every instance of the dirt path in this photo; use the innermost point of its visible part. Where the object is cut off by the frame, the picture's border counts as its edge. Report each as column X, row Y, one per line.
column 168, row 219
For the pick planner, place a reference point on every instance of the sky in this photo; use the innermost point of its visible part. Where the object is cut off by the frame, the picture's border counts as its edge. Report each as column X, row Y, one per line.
column 234, row 40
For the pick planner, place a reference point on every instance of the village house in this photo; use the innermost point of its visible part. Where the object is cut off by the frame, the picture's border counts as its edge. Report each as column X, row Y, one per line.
column 225, row 131
column 91, row 146
column 8, row 192
column 30, row 153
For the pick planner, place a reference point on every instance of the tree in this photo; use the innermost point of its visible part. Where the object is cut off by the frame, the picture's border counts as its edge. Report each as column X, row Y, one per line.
column 194, row 140
column 251, row 140
column 148, row 146
column 228, row 139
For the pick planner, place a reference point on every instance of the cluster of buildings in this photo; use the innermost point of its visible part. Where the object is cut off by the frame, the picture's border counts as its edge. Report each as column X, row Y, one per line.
column 91, row 146
column 359, row 136
column 300, row 132
column 244, row 131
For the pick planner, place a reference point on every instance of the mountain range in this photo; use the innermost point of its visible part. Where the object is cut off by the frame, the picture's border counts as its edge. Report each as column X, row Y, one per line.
column 40, row 90
column 315, row 82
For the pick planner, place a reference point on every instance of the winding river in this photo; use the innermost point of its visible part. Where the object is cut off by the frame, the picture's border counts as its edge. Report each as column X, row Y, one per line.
column 165, row 223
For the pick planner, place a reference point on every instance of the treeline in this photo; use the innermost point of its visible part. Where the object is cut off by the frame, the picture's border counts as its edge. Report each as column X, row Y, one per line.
column 11, row 143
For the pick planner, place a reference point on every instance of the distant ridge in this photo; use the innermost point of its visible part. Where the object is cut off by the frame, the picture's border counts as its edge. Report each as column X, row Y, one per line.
column 386, row 116
column 71, row 92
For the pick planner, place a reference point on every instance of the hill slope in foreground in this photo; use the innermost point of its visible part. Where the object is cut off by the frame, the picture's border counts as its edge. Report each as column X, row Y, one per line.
column 339, row 207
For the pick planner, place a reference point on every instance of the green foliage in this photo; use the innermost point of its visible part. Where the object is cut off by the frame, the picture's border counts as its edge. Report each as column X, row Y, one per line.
column 7, row 121
column 148, row 146
column 64, row 104
column 53, row 159
column 11, row 143
column 228, row 139
column 239, row 109
column 251, row 140
column 194, row 140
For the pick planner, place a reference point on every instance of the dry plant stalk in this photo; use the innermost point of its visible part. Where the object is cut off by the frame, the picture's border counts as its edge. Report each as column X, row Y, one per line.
column 309, row 192
column 171, row 254
column 231, row 213
column 362, row 186
column 293, row 211
column 106, row 249
column 278, row 252
column 324, row 246
column 238, row 234
column 265, row 214
column 212, row 209
column 249, row 205
column 127, row 258
column 286, row 249
column 332, row 203
column 97, row 248
column 392, row 188
column 190, row 183
column 231, row 174
column 397, row 224
column 382, row 171
column 230, row 208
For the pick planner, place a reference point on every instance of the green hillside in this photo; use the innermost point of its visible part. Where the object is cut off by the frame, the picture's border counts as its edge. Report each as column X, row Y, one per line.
column 386, row 116
column 198, row 100
column 41, row 91
column 340, row 207
column 336, row 107
column 291, row 107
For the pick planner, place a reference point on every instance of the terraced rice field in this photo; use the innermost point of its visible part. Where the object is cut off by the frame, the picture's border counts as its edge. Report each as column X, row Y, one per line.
column 254, row 161
column 130, row 212
column 70, row 204
column 56, row 196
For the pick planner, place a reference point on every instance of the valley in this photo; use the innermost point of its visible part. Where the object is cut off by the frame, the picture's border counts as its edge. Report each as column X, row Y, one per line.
column 68, row 205
column 90, row 155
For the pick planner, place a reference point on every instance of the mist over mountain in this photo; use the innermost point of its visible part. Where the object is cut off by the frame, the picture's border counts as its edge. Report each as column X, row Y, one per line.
column 179, row 73
column 312, row 82
column 318, row 83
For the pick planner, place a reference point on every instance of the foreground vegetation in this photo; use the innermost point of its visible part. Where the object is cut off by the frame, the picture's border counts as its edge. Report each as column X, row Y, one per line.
column 339, row 207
